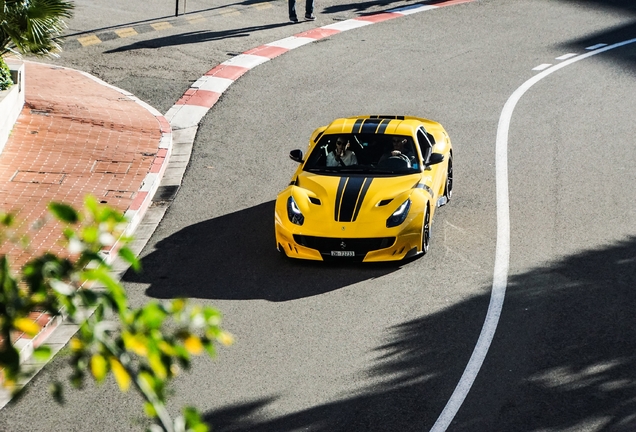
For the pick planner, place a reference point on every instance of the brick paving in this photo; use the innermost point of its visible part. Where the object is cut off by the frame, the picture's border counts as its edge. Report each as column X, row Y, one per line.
column 75, row 136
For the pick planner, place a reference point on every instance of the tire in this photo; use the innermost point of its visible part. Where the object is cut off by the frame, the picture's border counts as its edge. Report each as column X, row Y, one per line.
column 426, row 230
column 448, row 187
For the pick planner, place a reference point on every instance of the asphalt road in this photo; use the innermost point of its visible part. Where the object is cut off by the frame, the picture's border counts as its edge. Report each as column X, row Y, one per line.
column 383, row 347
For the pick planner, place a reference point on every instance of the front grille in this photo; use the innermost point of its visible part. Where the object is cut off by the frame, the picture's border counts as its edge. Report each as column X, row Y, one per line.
column 361, row 246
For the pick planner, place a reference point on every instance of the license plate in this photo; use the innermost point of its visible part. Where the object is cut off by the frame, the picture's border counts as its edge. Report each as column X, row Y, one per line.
column 343, row 253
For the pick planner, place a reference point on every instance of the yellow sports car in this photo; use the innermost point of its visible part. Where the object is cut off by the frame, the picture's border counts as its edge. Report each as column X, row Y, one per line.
column 367, row 190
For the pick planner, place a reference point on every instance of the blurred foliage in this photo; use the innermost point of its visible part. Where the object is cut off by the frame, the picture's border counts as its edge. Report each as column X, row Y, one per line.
column 33, row 26
column 5, row 76
column 143, row 348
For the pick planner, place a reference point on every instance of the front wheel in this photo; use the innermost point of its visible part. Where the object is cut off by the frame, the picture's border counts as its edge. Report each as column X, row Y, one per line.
column 426, row 230
column 448, row 187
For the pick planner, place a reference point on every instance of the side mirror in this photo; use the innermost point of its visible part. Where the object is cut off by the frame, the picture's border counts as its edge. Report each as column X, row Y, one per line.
column 296, row 155
column 435, row 159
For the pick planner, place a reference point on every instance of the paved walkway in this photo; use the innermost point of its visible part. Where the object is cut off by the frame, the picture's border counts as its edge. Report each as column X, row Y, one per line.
column 75, row 136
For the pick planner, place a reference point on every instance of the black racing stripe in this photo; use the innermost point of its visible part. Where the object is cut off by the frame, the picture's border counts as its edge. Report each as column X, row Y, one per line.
column 357, row 126
column 365, row 188
column 341, row 185
column 370, row 125
column 383, row 125
column 350, row 198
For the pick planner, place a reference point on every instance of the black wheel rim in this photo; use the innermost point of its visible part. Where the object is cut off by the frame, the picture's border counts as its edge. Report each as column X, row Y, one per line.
column 449, row 180
column 426, row 234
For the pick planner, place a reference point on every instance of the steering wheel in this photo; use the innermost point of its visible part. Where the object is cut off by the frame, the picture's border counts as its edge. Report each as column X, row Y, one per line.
column 403, row 157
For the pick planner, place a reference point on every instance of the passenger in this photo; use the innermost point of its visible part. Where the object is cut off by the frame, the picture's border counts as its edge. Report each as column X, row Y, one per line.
column 341, row 155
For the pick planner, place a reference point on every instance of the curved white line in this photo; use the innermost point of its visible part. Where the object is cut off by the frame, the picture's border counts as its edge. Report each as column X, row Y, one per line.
column 502, row 251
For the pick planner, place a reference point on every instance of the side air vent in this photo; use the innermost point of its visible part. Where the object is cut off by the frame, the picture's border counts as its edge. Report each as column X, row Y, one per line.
column 384, row 202
column 314, row 200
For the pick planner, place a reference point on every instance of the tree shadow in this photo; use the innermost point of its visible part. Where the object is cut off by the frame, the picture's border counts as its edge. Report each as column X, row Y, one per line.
column 234, row 257
column 193, row 37
column 608, row 36
column 563, row 358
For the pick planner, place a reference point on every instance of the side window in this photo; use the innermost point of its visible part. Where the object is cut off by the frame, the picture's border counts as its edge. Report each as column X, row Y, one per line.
column 426, row 146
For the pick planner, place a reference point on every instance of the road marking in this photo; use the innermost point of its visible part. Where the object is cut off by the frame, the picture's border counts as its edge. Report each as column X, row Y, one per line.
column 89, row 40
column 126, row 32
column 542, row 66
column 566, row 56
column 229, row 12
column 261, row 6
column 161, row 25
column 192, row 19
column 502, row 250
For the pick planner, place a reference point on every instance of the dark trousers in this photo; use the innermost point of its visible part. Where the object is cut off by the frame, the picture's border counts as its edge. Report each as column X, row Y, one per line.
column 309, row 8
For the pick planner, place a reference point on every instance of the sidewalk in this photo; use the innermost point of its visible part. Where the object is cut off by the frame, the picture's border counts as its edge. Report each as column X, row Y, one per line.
column 75, row 136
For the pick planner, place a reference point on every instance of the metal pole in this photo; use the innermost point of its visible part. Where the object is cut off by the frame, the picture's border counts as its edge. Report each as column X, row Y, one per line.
column 176, row 10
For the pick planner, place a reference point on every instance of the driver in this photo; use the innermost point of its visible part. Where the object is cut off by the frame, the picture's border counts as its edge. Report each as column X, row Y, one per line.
column 341, row 155
column 399, row 147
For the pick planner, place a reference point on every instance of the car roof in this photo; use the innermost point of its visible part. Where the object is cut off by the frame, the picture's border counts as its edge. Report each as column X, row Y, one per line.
column 390, row 125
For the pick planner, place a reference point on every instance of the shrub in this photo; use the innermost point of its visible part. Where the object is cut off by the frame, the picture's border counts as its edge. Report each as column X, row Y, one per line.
column 5, row 76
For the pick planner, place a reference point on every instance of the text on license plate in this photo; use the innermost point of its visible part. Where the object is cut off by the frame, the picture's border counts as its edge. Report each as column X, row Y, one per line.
column 343, row 253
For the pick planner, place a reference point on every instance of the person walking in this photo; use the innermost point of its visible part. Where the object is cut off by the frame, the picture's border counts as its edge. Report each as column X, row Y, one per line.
column 309, row 11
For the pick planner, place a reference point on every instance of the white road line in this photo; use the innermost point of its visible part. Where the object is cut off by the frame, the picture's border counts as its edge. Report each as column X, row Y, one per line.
column 566, row 56
column 502, row 251
column 542, row 67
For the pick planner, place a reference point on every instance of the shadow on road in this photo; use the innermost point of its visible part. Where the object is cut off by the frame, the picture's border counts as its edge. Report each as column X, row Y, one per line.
column 611, row 35
column 563, row 358
column 193, row 37
column 234, row 257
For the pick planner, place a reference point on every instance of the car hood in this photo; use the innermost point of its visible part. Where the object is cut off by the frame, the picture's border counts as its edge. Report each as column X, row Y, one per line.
column 346, row 202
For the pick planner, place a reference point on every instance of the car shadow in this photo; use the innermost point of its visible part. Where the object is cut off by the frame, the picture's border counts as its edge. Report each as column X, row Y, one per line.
column 233, row 257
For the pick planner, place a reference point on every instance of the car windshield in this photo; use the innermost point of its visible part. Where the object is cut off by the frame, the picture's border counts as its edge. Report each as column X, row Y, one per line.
column 363, row 153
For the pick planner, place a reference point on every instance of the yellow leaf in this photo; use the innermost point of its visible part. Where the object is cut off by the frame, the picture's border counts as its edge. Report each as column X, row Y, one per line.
column 157, row 366
column 135, row 344
column 27, row 326
column 121, row 375
column 98, row 367
column 76, row 344
column 193, row 345
column 226, row 338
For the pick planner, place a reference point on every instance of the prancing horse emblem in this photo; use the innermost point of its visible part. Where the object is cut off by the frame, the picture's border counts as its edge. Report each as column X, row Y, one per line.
column 343, row 245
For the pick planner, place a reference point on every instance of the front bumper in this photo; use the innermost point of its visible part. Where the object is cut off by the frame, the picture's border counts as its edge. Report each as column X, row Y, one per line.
column 358, row 249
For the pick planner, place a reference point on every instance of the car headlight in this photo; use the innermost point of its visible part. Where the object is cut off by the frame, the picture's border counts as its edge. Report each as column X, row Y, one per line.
column 293, row 212
column 399, row 215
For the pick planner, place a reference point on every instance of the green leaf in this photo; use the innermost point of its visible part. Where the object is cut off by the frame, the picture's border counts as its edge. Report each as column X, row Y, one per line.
column 153, row 315
column 150, row 410
column 64, row 212
column 42, row 353
column 127, row 255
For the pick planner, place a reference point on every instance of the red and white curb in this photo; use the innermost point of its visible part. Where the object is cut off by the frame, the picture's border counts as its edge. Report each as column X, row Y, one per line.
column 206, row 91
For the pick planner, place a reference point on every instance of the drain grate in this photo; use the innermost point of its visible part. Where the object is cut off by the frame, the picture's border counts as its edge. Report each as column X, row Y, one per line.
column 38, row 177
